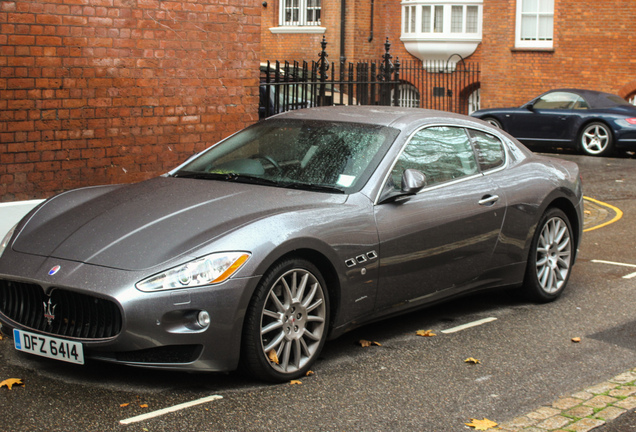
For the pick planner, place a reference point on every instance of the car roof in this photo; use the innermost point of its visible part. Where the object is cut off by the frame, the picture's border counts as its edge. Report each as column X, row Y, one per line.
column 397, row 117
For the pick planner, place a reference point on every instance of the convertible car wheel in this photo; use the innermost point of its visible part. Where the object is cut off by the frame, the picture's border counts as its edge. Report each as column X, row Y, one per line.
column 287, row 322
column 493, row 121
column 550, row 258
column 596, row 140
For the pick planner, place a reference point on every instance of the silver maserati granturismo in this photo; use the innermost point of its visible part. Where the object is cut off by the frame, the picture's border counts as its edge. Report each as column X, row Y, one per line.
column 254, row 252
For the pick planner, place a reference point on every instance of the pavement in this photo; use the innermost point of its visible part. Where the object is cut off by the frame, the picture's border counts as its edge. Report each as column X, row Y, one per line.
column 606, row 407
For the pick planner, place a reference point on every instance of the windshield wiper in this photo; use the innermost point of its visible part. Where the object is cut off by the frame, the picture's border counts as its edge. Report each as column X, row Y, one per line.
column 251, row 179
column 235, row 177
column 313, row 187
column 203, row 175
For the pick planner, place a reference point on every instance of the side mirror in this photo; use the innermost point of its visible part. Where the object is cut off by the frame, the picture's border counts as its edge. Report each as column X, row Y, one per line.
column 412, row 181
column 530, row 106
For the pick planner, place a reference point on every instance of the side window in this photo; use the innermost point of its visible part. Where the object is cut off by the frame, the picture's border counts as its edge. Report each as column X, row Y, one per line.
column 558, row 100
column 441, row 153
column 489, row 149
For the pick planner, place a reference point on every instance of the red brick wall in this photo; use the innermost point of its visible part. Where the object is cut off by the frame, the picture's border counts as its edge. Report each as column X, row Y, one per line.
column 109, row 91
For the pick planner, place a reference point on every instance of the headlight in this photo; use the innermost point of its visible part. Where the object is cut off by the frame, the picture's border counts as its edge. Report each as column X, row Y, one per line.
column 208, row 270
column 6, row 239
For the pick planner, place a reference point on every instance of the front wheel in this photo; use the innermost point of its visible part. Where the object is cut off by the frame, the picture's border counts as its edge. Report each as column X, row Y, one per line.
column 286, row 322
column 550, row 258
column 493, row 121
column 596, row 140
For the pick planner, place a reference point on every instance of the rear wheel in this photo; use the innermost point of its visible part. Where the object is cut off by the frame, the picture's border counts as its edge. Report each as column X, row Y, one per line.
column 596, row 140
column 550, row 258
column 286, row 323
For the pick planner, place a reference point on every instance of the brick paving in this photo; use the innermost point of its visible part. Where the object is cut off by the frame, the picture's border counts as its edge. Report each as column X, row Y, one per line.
column 581, row 411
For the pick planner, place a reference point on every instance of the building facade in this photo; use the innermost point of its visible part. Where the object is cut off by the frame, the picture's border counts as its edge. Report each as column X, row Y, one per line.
column 523, row 47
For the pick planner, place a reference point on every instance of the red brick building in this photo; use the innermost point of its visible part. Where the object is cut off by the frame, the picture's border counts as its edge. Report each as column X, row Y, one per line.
column 109, row 91
column 523, row 47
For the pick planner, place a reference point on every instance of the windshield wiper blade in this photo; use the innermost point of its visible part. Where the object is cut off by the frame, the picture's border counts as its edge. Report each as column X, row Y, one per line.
column 313, row 187
column 203, row 175
column 235, row 177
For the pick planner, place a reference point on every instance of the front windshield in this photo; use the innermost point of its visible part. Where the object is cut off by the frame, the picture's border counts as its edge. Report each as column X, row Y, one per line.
column 313, row 155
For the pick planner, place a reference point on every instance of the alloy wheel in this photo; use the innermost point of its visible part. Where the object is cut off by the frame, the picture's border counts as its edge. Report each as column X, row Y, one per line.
column 553, row 255
column 293, row 321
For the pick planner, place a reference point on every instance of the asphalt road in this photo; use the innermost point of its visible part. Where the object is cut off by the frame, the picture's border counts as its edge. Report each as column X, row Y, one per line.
column 527, row 358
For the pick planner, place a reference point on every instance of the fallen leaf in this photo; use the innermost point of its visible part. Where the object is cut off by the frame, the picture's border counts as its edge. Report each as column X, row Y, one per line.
column 295, row 382
column 11, row 382
column 310, row 373
column 472, row 360
column 124, row 405
column 272, row 356
column 576, row 339
column 425, row 333
column 143, row 406
column 365, row 343
column 481, row 425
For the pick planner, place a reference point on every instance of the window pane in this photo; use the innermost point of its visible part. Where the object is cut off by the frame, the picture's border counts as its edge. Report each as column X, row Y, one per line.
column 426, row 19
column 530, row 6
column 407, row 20
column 412, row 25
column 529, row 27
column 457, row 19
column 546, row 6
column 557, row 100
column 441, row 153
column 545, row 28
column 490, row 152
column 438, row 25
column 472, row 16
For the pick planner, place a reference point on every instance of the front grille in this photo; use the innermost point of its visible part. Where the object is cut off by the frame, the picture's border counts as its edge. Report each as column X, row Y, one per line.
column 64, row 313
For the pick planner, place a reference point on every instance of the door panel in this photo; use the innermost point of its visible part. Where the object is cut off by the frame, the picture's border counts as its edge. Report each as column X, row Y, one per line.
column 438, row 239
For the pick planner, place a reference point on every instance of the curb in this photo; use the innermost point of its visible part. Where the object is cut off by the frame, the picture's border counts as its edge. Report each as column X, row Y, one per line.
column 582, row 411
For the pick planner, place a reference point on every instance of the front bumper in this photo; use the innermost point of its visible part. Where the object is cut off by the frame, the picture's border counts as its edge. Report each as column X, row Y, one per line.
column 158, row 330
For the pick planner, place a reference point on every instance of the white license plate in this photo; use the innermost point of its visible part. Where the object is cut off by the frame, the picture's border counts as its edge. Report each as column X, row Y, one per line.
column 46, row 346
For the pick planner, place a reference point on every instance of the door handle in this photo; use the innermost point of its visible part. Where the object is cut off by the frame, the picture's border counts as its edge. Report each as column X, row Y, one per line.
column 488, row 200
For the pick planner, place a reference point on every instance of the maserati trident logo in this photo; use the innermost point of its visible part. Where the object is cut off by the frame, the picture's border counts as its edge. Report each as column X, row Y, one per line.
column 49, row 311
column 54, row 270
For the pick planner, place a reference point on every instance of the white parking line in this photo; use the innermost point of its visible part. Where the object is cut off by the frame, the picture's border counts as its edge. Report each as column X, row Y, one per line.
column 169, row 410
column 469, row 325
column 629, row 276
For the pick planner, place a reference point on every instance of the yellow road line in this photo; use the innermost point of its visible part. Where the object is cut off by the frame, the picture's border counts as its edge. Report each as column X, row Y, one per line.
column 619, row 213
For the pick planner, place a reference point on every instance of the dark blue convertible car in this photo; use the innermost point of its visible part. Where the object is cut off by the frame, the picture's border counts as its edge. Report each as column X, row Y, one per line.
column 592, row 122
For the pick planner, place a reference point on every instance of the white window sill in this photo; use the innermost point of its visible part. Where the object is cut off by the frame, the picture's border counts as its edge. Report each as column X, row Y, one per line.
column 298, row 29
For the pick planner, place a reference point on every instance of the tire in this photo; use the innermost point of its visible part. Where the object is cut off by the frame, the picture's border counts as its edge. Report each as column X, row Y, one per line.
column 493, row 121
column 289, row 316
column 550, row 258
column 596, row 140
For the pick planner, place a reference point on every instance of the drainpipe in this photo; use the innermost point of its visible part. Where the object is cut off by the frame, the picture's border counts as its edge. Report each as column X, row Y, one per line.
column 343, row 14
column 371, row 33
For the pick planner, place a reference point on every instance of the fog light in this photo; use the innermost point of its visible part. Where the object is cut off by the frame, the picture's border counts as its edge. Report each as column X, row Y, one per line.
column 203, row 319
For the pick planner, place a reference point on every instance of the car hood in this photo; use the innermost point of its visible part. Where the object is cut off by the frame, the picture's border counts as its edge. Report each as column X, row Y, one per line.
column 141, row 226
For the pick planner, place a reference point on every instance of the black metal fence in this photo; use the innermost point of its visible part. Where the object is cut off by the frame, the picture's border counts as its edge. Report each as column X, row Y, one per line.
column 444, row 86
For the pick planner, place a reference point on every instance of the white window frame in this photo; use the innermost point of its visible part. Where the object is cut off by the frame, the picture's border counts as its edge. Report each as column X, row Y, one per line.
column 302, row 14
column 412, row 19
column 536, row 43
